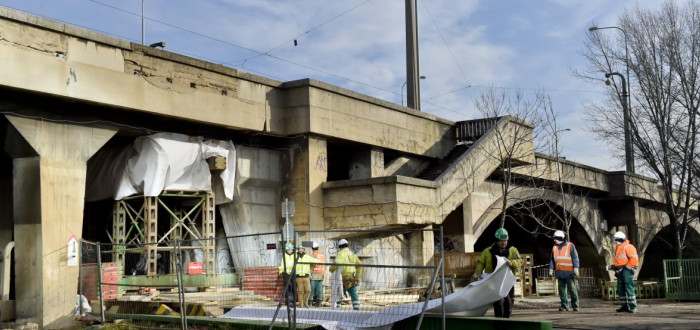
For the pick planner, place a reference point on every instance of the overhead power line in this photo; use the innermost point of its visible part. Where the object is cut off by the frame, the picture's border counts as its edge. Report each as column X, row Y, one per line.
column 294, row 39
column 444, row 42
column 247, row 49
column 327, row 73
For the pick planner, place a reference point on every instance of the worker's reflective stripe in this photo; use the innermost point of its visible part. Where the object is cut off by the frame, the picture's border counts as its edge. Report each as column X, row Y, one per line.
column 562, row 259
column 319, row 269
column 626, row 255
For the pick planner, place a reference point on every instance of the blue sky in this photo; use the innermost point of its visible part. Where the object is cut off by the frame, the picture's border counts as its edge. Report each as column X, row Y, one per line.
column 359, row 45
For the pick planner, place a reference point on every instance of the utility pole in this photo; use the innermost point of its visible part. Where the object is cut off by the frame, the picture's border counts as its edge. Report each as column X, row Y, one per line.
column 288, row 229
column 412, row 74
column 143, row 25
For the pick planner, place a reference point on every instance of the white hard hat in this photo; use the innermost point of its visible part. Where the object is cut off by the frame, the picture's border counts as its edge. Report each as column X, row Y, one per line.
column 559, row 233
column 315, row 245
column 342, row 241
column 620, row 235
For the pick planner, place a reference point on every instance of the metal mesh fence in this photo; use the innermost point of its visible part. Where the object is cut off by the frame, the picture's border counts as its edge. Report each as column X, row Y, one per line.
column 252, row 285
column 682, row 279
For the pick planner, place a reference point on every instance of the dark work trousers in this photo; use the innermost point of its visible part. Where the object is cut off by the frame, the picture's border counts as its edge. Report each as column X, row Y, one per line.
column 503, row 307
column 291, row 294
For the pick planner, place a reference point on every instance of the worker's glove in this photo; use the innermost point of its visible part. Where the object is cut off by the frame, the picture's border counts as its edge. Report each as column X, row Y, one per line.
column 551, row 272
column 576, row 272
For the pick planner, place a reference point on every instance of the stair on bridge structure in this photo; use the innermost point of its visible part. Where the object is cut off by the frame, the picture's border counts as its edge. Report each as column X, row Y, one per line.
column 438, row 166
column 263, row 281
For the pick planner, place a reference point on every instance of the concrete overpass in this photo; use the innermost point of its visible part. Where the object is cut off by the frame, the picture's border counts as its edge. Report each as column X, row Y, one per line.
column 346, row 159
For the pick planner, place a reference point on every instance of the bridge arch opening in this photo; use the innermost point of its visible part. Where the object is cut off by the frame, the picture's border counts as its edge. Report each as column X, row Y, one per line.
column 531, row 238
column 660, row 248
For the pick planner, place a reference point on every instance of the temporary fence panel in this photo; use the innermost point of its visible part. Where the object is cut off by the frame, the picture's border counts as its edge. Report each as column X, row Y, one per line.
column 682, row 279
column 397, row 278
column 587, row 283
column 393, row 281
column 88, row 282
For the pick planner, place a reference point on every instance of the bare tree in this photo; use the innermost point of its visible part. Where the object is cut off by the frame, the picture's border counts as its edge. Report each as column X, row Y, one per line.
column 552, row 180
column 511, row 144
column 664, row 61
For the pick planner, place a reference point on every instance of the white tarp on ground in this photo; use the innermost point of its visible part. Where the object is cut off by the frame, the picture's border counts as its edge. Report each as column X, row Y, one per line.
column 473, row 300
column 163, row 161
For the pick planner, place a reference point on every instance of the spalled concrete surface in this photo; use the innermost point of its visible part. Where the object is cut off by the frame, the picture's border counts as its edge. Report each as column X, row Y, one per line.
column 600, row 314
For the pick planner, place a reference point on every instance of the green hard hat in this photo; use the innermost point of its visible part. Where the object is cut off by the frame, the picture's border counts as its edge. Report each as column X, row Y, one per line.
column 289, row 246
column 502, row 234
column 301, row 247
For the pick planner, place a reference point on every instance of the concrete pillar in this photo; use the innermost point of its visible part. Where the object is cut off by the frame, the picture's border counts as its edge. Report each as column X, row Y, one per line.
column 376, row 162
column 468, row 221
column 6, row 224
column 49, row 191
column 421, row 249
column 309, row 172
column 318, row 174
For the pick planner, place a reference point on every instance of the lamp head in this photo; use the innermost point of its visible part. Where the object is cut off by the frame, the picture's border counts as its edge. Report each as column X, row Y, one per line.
column 593, row 28
column 160, row 44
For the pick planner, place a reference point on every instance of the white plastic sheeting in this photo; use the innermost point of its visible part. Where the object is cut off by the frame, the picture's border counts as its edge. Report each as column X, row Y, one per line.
column 163, row 161
column 473, row 300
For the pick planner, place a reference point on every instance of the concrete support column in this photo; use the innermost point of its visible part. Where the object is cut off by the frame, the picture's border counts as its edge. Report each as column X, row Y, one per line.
column 6, row 224
column 309, row 172
column 49, row 193
column 318, row 174
column 468, row 221
column 376, row 162
column 421, row 249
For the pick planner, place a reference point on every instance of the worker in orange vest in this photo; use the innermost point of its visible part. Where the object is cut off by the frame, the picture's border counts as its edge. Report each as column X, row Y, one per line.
column 564, row 266
column 316, row 297
column 625, row 265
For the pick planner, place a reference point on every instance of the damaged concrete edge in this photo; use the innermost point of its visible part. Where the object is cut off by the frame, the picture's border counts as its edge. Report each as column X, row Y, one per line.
column 77, row 32
column 308, row 82
column 47, row 24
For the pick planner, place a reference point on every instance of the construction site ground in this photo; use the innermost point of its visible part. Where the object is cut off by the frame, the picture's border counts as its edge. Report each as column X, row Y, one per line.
column 595, row 313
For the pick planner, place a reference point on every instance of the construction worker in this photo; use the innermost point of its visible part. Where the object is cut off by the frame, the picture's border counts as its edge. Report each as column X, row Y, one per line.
column 285, row 268
column 304, row 262
column 564, row 266
column 351, row 274
column 625, row 265
column 487, row 263
column 316, row 297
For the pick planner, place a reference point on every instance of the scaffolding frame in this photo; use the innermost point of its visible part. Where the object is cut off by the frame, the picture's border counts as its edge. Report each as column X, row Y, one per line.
column 135, row 221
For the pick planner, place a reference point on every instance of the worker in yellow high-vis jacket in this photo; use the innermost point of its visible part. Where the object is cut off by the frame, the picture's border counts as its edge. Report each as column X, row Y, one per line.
column 285, row 268
column 304, row 262
column 351, row 274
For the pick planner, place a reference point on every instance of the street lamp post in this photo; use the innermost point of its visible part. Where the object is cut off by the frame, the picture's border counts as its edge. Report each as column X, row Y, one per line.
column 627, row 100
column 566, row 221
column 629, row 159
column 404, row 85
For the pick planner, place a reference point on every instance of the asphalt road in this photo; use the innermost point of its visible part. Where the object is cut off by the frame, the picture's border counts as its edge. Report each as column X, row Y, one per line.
column 600, row 314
